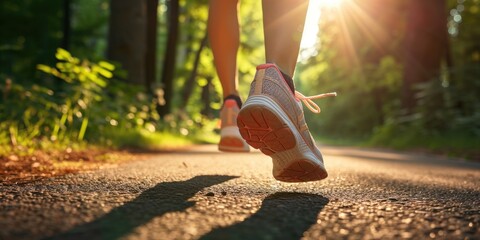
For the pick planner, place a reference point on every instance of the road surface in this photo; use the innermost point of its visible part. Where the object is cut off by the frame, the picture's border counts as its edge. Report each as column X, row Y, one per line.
column 204, row 194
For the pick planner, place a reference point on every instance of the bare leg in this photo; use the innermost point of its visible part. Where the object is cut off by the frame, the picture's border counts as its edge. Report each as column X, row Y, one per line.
column 283, row 22
column 271, row 119
column 224, row 35
column 223, row 32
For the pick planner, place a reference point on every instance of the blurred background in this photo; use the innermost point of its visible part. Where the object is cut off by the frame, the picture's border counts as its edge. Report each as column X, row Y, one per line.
column 139, row 74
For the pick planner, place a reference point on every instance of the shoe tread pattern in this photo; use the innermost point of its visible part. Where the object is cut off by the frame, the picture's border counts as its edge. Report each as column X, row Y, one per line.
column 263, row 130
column 301, row 171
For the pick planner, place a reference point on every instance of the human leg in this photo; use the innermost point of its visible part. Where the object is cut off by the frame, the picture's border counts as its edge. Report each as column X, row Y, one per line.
column 283, row 22
column 223, row 33
column 224, row 36
column 272, row 118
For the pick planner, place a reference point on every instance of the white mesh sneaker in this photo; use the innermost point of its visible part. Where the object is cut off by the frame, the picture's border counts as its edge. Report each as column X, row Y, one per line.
column 272, row 120
column 230, row 139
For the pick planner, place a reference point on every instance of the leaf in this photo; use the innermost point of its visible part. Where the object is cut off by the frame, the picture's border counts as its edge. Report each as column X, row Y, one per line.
column 94, row 78
column 106, row 65
column 103, row 72
column 63, row 54
column 83, row 129
column 64, row 67
column 100, row 82
column 44, row 68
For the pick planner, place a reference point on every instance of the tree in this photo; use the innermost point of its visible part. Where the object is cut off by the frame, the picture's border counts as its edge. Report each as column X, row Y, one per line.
column 29, row 35
column 168, row 74
column 190, row 82
column 426, row 45
column 67, row 24
column 151, row 56
column 128, row 37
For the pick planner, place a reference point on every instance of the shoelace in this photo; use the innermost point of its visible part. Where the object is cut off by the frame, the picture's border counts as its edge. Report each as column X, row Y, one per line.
column 308, row 100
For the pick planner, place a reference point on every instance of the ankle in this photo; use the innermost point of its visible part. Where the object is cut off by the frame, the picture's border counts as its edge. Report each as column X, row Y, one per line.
column 235, row 97
column 289, row 81
column 288, row 78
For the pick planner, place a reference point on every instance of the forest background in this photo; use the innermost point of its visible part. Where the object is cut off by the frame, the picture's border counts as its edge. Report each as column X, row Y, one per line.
column 139, row 74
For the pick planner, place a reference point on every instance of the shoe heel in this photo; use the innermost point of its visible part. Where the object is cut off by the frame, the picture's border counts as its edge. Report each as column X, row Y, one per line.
column 262, row 129
column 301, row 171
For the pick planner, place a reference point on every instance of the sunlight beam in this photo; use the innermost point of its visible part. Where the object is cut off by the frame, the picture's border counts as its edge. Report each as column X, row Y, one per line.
column 330, row 3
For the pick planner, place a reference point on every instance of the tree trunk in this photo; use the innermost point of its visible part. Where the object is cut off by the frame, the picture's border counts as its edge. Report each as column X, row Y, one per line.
column 425, row 45
column 206, row 94
column 67, row 24
column 173, row 11
column 151, row 59
column 127, row 37
column 190, row 82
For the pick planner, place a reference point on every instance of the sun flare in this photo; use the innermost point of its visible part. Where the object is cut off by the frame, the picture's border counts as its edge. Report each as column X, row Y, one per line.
column 310, row 33
column 330, row 3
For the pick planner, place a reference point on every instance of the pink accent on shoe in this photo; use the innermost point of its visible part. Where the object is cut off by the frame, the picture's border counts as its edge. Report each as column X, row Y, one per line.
column 268, row 65
column 272, row 120
column 230, row 138
column 230, row 103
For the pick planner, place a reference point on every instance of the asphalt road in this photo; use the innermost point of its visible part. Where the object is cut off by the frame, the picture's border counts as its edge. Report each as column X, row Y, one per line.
column 204, row 194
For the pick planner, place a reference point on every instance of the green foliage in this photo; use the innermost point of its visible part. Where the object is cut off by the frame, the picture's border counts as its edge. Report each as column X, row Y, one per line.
column 401, row 137
column 89, row 28
column 86, row 108
column 31, row 30
column 76, row 101
column 79, row 101
column 144, row 139
column 450, row 103
column 361, row 104
column 369, row 83
column 86, row 81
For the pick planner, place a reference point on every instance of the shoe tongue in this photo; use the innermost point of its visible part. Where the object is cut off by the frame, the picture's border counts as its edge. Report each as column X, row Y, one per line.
column 289, row 81
column 235, row 98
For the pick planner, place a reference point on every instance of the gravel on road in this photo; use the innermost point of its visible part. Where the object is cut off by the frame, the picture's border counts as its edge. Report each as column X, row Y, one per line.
column 205, row 194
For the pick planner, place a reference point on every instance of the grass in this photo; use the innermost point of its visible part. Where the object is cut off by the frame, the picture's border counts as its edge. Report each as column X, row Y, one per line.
column 117, row 139
column 456, row 144
column 47, row 159
column 340, row 141
column 453, row 143
column 143, row 139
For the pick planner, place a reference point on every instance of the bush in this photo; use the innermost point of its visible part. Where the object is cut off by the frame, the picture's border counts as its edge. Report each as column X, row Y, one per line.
column 84, row 107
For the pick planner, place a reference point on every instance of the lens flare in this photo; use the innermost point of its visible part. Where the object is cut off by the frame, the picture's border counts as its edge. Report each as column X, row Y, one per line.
column 331, row 3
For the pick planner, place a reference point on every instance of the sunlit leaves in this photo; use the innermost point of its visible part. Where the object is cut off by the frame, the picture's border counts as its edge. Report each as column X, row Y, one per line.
column 349, row 61
column 55, row 115
column 44, row 68
column 106, row 65
column 63, row 55
column 370, row 88
column 83, row 108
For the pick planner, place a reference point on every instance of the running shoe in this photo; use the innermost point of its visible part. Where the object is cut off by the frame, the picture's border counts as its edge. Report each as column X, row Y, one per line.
column 273, row 121
column 230, row 139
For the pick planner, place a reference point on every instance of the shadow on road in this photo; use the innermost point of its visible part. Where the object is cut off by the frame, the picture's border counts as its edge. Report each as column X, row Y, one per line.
column 283, row 215
column 163, row 198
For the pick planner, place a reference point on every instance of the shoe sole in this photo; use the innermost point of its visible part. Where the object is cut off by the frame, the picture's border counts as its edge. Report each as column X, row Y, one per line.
column 231, row 140
column 232, row 144
column 265, row 126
